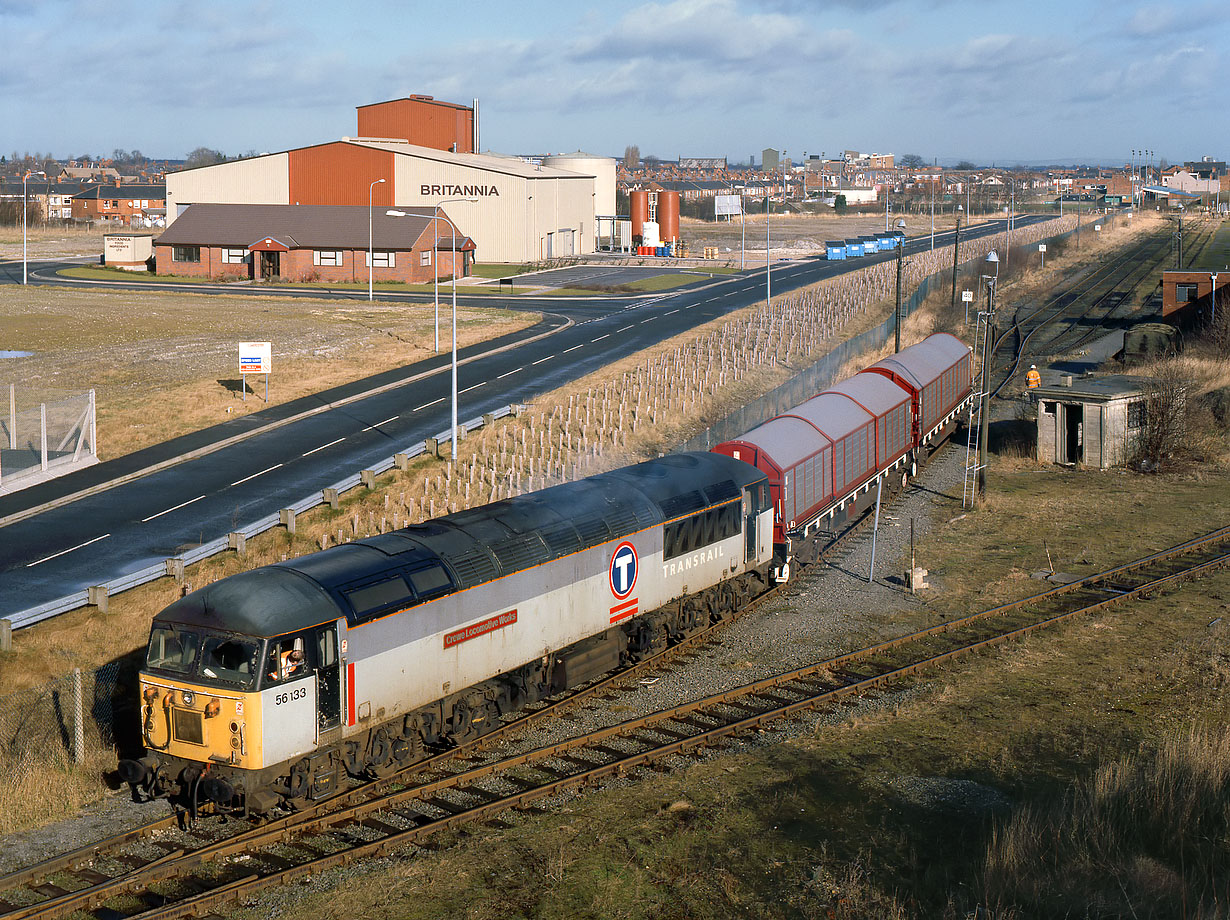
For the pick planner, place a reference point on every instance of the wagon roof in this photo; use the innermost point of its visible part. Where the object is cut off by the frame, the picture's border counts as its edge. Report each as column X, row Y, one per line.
column 786, row 440
column 833, row 413
column 923, row 363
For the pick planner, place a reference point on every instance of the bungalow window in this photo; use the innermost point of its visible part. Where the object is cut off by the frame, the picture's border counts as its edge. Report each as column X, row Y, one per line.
column 185, row 253
column 381, row 260
column 330, row 257
column 425, row 257
column 234, row 256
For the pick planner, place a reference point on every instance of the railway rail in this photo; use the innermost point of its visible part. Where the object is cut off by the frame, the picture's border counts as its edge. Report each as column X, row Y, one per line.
column 450, row 791
column 1081, row 309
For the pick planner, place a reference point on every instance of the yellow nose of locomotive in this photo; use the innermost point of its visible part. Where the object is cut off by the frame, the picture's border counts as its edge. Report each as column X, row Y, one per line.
column 199, row 724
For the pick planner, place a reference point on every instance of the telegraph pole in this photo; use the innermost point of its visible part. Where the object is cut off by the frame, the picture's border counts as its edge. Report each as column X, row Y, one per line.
column 956, row 250
column 984, row 413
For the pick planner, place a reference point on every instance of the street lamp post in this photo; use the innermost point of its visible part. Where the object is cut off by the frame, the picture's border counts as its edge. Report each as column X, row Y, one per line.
column 984, row 411
column 956, row 256
column 897, row 314
column 768, row 298
column 25, row 206
column 436, row 272
column 371, row 256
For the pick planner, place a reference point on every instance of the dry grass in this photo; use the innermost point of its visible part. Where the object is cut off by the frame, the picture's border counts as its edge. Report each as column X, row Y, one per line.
column 165, row 364
column 1144, row 836
column 50, row 242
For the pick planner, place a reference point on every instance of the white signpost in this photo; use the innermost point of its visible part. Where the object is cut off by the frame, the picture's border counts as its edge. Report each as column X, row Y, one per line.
column 967, row 297
column 1042, row 249
column 255, row 358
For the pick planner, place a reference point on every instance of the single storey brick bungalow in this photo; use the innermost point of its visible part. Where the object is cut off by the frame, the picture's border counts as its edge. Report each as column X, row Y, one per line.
column 312, row 243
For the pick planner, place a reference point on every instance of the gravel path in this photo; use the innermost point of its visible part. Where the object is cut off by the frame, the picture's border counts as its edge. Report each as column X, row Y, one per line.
column 830, row 610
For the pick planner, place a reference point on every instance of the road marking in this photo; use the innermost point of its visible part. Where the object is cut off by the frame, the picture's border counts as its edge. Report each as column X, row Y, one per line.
column 432, row 403
column 240, row 482
column 475, row 387
column 650, row 320
column 573, row 348
column 63, row 551
column 547, row 358
column 323, row 446
column 510, row 373
column 600, row 338
column 669, row 312
column 169, row 510
column 625, row 328
column 378, row 424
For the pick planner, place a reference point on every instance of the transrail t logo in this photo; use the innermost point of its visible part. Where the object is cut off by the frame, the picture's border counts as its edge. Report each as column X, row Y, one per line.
column 467, row 191
column 623, row 570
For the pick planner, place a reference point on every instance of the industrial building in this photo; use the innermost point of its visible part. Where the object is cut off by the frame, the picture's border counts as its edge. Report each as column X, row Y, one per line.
column 422, row 157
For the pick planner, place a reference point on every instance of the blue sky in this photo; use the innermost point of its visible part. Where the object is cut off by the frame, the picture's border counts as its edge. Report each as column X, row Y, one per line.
column 1084, row 80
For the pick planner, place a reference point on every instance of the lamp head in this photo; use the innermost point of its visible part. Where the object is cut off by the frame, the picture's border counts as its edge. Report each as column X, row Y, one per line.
column 392, row 212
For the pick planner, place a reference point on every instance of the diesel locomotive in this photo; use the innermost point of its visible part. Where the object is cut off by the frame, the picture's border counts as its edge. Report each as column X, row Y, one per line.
column 269, row 687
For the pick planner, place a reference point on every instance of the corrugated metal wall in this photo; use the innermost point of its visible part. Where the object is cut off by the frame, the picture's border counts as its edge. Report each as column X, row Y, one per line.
column 259, row 180
column 340, row 173
column 420, row 121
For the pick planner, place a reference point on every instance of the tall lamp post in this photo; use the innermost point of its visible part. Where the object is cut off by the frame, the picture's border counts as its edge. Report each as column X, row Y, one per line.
column 984, row 411
column 956, row 256
column 25, row 207
column 768, row 299
column 371, row 256
column 436, row 257
column 897, row 314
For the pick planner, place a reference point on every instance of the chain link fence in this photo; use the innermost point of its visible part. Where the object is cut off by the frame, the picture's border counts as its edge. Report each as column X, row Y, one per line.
column 81, row 711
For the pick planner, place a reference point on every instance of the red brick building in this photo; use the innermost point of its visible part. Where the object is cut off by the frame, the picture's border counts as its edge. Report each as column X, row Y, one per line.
column 120, row 204
column 1185, row 296
column 312, row 243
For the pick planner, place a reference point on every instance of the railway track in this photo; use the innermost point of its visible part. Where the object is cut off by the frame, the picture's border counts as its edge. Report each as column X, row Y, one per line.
column 1076, row 314
column 463, row 788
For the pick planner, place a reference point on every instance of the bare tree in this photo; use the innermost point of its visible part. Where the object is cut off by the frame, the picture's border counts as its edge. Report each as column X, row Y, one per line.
column 204, row 156
column 632, row 156
column 1217, row 332
column 1162, row 417
column 912, row 161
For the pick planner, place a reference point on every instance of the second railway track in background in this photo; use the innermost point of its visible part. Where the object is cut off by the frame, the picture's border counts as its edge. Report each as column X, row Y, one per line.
column 1081, row 307
column 442, row 794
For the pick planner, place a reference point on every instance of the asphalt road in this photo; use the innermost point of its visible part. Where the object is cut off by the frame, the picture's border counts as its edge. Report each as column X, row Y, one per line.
column 116, row 517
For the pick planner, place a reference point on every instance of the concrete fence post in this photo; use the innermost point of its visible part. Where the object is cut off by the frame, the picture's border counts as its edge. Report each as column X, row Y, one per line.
column 488, row 419
column 42, row 408
column 401, row 461
column 433, row 447
column 96, row 596
column 238, row 542
column 286, row 517
column 78, row 718
column 6, row 635
column 175, row 569
column 368, row 478
column 330, row 496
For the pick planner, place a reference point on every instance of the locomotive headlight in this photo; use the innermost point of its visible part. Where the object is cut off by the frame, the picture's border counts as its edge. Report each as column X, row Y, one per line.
column 150, row 694
column 187, row 696
column 213, row 707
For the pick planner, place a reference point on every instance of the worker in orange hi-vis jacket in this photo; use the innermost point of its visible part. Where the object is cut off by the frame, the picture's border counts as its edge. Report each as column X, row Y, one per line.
column 1033, row 379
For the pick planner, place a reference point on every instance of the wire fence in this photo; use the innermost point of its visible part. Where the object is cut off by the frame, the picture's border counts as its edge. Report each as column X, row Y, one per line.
column 37, row 435
column 75, row 713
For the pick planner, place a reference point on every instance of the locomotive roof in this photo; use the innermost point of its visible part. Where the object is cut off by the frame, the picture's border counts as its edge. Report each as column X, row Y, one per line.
column 475, row 546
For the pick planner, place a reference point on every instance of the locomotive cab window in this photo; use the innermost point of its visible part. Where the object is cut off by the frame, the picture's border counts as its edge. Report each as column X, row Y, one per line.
column 286, row 660
column 231, row 660
column 173, row 650
column 691, row 533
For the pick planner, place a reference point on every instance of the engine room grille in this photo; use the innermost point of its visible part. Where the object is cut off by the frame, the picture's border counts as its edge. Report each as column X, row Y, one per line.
column 472, row 568
column 189, row 726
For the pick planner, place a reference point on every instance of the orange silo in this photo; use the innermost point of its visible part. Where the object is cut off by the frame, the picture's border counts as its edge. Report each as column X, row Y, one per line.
column 668, row 216
column 638, row 205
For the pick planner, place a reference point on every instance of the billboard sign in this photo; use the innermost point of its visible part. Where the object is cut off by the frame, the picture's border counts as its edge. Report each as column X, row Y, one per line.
column 727, row 205
column 255, row 357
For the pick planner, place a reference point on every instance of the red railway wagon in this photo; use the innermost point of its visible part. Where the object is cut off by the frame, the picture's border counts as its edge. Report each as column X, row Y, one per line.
column 936, row 373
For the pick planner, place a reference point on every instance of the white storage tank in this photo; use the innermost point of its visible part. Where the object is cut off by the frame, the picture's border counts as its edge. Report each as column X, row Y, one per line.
column 649, row 234
column 588, row 164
